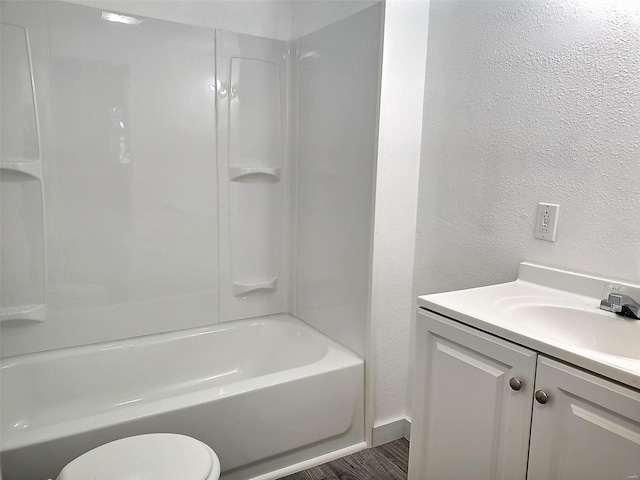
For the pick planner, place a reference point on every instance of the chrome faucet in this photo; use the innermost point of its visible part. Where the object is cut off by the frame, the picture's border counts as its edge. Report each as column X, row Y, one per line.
column 621, row 304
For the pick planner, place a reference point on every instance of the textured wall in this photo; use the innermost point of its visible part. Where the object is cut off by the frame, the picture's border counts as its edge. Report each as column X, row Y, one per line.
column 529, row 101
column 405, row 49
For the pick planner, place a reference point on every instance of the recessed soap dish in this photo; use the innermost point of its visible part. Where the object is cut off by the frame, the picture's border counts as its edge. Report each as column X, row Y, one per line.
column 23, row 312
column 237, row 173
column 241, row 288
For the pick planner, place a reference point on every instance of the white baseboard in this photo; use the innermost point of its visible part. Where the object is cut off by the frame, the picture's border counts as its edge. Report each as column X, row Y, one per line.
column 390, row 431
column 407, row 428
column 314, row 462
column 385, row 433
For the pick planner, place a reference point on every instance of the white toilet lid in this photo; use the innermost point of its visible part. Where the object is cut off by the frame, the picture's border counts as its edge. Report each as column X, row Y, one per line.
column 156, row 456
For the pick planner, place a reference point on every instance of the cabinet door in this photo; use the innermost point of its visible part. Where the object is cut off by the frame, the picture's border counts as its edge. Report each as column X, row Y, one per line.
column 588, row 429
column 467, row 422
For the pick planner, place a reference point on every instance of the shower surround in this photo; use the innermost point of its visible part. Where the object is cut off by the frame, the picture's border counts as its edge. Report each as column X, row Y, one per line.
column 163, row 179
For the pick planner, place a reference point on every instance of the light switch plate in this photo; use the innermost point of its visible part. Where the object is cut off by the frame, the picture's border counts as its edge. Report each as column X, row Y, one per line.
column 547, row 221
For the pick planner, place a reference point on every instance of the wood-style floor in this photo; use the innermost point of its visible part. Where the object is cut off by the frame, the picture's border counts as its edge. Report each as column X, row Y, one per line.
column 386, row 462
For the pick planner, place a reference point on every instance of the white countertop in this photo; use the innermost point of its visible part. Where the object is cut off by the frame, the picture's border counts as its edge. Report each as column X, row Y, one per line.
column 491, row 309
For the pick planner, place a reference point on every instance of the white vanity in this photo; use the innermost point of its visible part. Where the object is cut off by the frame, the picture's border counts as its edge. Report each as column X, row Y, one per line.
column 526, row 380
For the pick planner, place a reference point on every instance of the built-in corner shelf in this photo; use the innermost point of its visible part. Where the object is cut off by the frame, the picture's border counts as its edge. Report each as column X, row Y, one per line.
column 33, row 313
column 23, row 274
column 239, row 173
column 31, row 168
column 253, row 174
column 22, row 257
column 242, row 288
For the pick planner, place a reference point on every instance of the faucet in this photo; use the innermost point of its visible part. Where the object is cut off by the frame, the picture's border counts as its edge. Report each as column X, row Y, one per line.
column 621, row 304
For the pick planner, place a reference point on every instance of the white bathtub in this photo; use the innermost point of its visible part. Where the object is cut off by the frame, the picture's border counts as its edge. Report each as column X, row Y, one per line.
column 263, row 393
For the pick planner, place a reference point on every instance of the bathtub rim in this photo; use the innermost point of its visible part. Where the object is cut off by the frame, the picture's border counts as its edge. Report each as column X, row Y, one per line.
column 165, row 337
column 336, row 358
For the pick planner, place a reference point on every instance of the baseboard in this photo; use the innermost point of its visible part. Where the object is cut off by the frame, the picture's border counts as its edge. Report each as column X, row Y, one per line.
column 407, row 428
column 314, row 462
column 391, row 431
column 385, row 433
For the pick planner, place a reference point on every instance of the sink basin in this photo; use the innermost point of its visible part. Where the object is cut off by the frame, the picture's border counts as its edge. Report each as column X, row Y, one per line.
column 555, row 313
column 592, row 329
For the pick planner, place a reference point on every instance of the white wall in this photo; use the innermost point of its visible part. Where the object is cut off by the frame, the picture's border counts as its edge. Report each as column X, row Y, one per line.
column 337, row 118
column 277, row 19
column 528, row 102
column 404, row 57
column 307, row 16
column 270, row 19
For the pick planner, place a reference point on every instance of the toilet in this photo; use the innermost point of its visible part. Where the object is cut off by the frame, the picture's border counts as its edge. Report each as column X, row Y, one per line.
column 155, row 456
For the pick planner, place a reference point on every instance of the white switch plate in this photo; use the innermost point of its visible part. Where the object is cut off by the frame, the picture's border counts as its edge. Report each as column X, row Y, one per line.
column 547, row 221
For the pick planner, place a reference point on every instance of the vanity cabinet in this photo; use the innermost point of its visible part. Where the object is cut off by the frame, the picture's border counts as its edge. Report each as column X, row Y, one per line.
column 467, row 421
column 589, row 428
column 475, row 417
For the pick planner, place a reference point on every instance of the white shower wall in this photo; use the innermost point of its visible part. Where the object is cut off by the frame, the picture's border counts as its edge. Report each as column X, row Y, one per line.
column 253, row 111
column 163, row 213
column 265, row 18
column 128, row 138
column 338, row 95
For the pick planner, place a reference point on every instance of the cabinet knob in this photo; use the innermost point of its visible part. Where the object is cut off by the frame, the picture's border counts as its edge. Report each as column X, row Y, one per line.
column 515, row 383
column 541, row 397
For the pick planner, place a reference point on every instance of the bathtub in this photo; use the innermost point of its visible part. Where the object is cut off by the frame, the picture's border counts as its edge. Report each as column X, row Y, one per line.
column 264, row 393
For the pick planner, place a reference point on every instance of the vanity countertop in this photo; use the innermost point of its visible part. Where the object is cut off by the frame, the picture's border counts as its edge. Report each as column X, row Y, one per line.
column 555, row 312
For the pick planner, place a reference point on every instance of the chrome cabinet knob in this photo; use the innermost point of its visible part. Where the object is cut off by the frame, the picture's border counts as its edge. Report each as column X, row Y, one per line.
column 515, row 383
column 541, row 397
